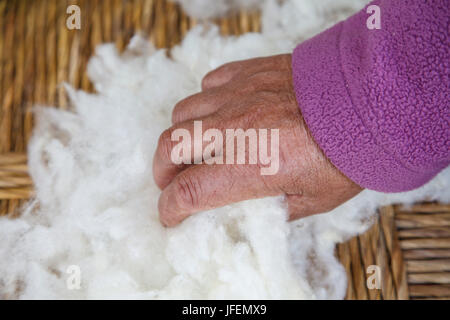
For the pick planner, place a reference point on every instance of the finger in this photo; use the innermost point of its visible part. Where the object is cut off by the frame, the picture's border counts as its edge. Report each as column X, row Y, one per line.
column 207, row 102
column 184, row 144
column 204, row 187
column 215, row 95
column 199, row 105
column 225, row 73
column 222, row 75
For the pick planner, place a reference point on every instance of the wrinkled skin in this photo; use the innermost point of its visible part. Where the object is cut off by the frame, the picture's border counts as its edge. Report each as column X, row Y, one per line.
column 256, row 93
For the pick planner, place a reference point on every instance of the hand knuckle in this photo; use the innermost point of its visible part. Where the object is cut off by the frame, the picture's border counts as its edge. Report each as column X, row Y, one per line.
column 183, row 108
column 184, row 103
column 178, row 112
column 207, row 80
column 165, row 144
column 188, row 191
column 218, row 73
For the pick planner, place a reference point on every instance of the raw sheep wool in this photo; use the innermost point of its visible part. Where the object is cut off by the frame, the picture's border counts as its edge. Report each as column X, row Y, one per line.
column 95, row 209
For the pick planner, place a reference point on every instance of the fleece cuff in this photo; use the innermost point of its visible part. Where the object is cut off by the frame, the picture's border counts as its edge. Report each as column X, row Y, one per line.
column 334, row 120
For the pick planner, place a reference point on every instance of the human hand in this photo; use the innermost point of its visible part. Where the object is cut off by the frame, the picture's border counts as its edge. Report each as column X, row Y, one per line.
column 250, row 94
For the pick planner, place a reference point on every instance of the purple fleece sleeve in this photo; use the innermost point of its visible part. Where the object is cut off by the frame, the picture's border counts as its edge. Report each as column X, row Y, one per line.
column 377, row 101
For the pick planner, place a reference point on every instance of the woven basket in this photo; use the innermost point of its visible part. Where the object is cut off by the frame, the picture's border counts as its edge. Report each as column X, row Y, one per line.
column 37, row 52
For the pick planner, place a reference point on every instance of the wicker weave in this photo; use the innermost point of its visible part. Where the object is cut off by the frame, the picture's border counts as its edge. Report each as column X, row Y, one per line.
column 37, row 52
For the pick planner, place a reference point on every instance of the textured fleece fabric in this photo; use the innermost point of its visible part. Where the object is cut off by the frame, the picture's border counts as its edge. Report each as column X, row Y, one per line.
column 377, row 101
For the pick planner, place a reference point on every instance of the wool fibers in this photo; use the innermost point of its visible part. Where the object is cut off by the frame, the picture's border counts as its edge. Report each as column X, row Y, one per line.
column 95, row 208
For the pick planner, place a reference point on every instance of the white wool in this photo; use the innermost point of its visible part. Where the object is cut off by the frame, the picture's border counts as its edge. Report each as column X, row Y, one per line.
column 96, row 202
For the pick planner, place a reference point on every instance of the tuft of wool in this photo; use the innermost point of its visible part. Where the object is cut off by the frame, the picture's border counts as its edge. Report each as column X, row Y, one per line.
column 96, row 203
